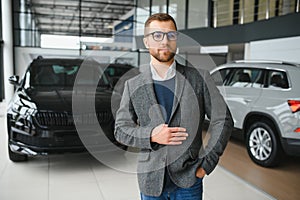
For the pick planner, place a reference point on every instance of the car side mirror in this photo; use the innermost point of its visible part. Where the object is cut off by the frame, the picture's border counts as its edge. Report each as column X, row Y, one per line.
column 14, row 80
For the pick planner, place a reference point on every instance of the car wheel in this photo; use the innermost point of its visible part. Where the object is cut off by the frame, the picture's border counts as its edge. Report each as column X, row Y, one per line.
column 15, row 157
column 263, row 145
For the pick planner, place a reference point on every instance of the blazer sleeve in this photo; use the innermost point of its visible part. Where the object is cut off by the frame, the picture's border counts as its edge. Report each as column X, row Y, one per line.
column 127, row 130
column 220, row 125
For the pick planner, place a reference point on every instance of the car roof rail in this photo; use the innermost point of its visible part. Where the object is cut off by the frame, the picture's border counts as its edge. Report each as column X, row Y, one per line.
column 268, row 62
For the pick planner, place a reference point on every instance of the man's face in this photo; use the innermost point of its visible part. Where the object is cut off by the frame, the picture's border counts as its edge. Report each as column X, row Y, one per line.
column 164, row 50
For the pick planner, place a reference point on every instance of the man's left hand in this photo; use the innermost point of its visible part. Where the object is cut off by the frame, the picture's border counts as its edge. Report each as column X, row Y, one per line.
column 200, row 173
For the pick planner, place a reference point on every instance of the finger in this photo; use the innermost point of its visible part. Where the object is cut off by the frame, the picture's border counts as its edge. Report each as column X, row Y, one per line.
column 179, row 134
column 176, row 139
column 177, row 129
column 175, row 143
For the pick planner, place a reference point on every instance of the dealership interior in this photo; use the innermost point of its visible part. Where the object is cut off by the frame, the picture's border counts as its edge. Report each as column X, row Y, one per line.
column 212, row 32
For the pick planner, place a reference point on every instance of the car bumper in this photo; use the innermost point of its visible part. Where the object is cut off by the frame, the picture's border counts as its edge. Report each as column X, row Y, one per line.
column 37, row 145
column 21, row 148
column 59, row 141
column 291, row 146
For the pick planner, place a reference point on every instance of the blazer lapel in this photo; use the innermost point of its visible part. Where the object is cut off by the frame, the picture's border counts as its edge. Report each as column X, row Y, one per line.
column 148, row 85
column 179, row 86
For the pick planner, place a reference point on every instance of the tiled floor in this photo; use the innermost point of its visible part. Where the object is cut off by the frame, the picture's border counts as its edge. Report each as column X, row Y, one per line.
column 80, row 176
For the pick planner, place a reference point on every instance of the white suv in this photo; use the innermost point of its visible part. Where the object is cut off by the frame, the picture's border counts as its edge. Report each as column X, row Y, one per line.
column 264, row 99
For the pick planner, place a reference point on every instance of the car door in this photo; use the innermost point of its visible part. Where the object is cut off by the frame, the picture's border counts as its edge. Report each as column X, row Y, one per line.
column 241, row 88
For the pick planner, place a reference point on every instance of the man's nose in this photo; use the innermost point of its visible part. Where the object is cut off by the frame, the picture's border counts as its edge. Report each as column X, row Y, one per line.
column 165, row 39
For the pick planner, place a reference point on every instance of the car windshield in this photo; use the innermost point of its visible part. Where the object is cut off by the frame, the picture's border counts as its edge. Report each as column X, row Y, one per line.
column 64, row 75
column 114, row 71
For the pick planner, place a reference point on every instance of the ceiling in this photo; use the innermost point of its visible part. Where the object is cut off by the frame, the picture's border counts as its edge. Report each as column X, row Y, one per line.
column 65, row 17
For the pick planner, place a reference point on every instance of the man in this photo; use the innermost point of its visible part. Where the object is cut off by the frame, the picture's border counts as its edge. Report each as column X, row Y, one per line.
column 162, row 112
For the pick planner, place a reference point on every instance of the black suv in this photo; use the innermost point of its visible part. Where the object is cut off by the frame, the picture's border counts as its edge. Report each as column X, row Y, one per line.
column 40, row 118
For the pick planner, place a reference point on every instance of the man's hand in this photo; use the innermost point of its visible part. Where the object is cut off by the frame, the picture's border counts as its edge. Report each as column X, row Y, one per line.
column 163, row 134
column 200, row 173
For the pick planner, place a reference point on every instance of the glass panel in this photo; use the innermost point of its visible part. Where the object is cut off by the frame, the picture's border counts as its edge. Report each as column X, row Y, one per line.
column 288, row 6
column 142, row 13
column 221, row 76
column 277, row 79
column 262, row 9
column 224, row 12
column 248, row 11
column 197, row 13
column 54, row 75
column 246, row 78
column 242, row 11
column 272, row 8
column 177, row 11
column 159, row 6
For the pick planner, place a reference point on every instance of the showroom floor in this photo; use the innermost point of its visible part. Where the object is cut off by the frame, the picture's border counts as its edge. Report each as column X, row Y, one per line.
column 282, row 181
column 81, row 176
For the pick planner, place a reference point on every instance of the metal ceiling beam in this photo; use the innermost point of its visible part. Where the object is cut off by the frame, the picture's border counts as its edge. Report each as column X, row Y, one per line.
column 123, row 9
column 60, row 16
column 117, row 5
column 69, row 17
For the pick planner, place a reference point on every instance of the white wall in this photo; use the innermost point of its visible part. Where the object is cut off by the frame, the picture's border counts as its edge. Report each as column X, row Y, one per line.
column 7, row 48
column 284, row 49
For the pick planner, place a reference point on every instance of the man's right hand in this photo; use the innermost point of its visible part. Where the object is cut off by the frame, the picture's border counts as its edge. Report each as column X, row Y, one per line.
column 163, row 134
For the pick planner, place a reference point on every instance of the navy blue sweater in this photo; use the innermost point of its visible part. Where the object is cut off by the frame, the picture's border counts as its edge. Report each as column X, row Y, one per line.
column 164, row 91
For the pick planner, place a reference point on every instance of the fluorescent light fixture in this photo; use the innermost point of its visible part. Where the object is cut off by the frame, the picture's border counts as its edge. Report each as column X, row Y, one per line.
column 96, row 39
column 59, row 41
column 69, row 42
column 214, row 49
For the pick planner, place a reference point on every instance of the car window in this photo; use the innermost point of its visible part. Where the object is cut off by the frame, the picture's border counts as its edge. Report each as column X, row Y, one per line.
column 277, row 79
column 113, row 71
column 52, row 74
column 221, row 76
column 244, row 77
column 64, row 75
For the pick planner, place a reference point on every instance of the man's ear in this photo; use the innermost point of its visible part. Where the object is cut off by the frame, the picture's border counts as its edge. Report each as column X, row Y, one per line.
column 145, row 40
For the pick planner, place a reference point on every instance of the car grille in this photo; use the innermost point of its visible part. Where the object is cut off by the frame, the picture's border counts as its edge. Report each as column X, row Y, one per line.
column 53, row 119
column 65, row 119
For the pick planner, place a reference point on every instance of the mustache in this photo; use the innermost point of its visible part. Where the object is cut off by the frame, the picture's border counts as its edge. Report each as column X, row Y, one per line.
column 173, row 50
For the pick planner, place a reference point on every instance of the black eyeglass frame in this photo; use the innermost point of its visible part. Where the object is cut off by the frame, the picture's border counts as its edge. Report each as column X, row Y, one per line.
column 164, row 33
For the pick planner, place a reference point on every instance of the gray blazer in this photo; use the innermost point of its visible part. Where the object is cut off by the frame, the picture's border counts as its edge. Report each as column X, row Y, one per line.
column 195, row 96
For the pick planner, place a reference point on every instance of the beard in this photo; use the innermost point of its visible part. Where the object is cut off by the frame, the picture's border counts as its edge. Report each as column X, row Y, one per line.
column 165, row 57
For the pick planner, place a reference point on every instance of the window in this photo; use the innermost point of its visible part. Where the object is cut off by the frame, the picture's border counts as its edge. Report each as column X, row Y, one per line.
column 228, row 12
column 220, row 76
column 159, row 6
column 277, row 79
column 142, row 13
column 177, row 11
column 197, row 14
column 246, row 78
column 55, row 75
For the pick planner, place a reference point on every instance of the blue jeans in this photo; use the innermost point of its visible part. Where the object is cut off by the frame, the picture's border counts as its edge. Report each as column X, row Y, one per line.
column 192, row 193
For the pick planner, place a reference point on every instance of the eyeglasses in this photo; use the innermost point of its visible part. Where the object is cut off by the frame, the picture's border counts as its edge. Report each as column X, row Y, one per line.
column 159, row 35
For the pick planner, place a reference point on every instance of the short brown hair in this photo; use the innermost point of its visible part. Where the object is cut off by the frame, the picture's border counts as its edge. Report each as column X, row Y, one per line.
column 160, row 17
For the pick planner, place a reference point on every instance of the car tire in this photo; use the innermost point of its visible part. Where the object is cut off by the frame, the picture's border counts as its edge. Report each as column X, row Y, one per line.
column 263, row 145
column 15, row 157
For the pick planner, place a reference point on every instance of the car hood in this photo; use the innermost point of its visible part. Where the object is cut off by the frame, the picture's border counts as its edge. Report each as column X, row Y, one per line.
column 61, row 99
